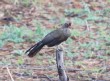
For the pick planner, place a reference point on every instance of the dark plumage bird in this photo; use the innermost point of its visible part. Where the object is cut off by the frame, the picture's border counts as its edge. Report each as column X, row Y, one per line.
column 53, row 38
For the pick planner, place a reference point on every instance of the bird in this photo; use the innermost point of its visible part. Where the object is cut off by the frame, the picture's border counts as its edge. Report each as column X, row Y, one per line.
column 53, row 38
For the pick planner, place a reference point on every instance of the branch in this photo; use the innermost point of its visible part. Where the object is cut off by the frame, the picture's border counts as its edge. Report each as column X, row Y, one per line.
column 60, row 64
column 9, row 73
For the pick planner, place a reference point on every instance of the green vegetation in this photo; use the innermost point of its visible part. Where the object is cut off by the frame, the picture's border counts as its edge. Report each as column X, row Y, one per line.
column 15, row 34
column 90, row 35
column 97, row 40
column 40, row 31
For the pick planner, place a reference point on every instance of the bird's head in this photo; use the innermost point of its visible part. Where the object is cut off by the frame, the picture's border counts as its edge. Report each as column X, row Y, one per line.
column 67, row 25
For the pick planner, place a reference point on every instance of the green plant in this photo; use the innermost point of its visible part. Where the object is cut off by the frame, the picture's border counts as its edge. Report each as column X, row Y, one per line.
column 75, row 32
column 25, row 2
column 40, row 31
column 1, row 43
column 20, row 60
column 15, row 34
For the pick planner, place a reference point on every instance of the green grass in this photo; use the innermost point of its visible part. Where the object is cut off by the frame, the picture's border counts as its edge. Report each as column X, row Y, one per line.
column 89, row 44
column 22, row 34
column 40, row 31
column 26, row 3
column 97, row 40
column 15, row 34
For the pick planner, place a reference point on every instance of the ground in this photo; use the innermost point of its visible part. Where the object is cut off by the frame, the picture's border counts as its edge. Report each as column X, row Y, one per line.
column 86, row 52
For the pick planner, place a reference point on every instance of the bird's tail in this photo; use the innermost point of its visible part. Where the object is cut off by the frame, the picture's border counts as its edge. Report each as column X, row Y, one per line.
column 34, row 49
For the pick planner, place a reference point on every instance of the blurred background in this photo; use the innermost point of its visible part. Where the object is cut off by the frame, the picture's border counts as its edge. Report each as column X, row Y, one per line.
column 87, row 52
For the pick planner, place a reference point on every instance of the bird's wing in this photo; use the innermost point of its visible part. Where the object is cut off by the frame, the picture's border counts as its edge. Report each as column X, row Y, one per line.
column 56, row 34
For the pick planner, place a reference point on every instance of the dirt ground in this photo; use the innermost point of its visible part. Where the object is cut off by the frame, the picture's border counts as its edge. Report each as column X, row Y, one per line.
column 16, row 66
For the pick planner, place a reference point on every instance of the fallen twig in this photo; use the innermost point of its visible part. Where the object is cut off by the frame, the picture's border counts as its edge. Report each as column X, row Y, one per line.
column 9, row 73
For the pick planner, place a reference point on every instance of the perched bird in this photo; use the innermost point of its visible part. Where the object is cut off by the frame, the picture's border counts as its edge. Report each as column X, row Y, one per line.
column 53, row 38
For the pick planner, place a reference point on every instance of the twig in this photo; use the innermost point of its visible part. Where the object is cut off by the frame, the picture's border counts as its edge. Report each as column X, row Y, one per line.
column 9, row 73
column 87, row 26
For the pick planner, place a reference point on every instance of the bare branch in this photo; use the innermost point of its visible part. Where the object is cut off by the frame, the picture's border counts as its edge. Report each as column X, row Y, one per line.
column 60, row 64
column 9, row 73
